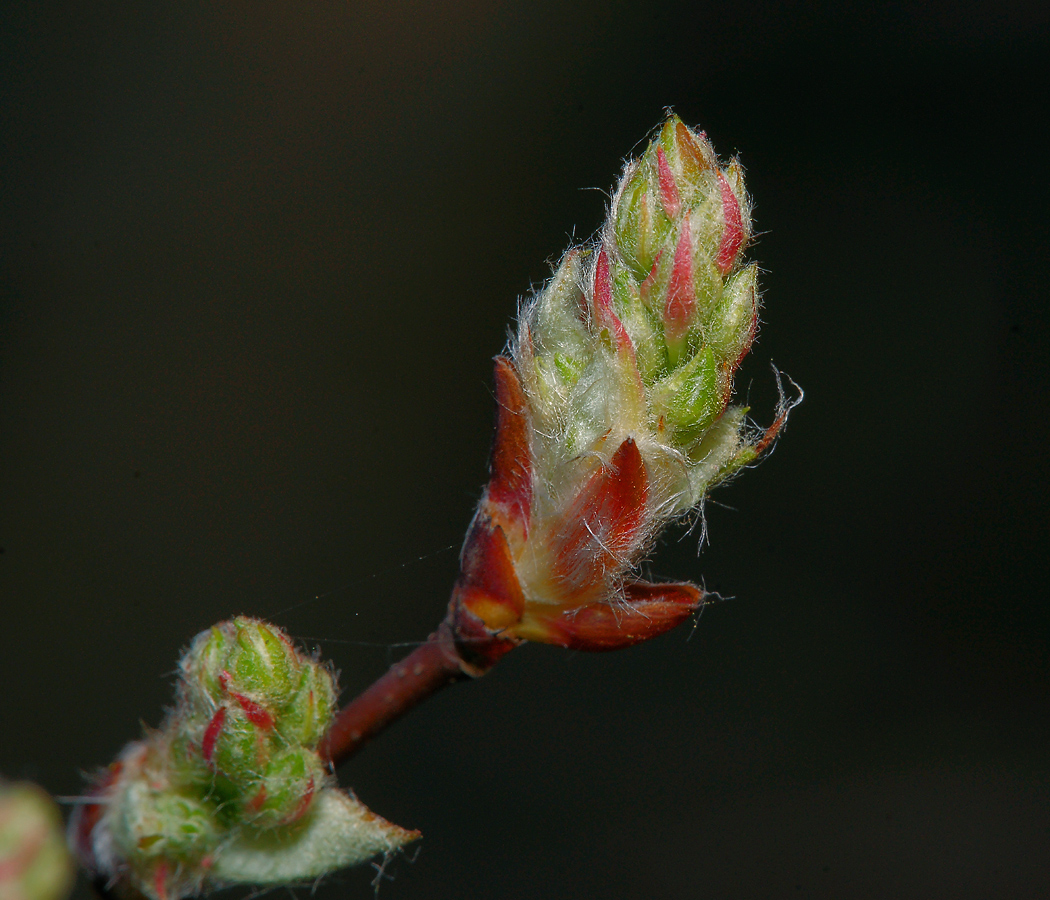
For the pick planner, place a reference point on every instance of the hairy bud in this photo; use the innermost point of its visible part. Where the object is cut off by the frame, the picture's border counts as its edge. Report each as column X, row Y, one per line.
column 615, row 413
column 231, row 789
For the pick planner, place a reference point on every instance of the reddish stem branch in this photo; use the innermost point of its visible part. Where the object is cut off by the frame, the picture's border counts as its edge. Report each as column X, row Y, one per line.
column 426, row 670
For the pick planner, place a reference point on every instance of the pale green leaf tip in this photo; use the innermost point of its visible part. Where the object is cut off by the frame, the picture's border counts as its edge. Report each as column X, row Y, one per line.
column 339, row 832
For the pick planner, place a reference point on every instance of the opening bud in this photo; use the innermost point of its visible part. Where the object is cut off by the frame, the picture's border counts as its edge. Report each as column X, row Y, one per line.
column 624, row 365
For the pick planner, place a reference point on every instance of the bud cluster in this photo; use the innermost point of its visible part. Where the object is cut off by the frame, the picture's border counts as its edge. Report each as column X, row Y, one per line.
column 233, row 772
column 639, row 337
column 615, row 413
column 255, row 711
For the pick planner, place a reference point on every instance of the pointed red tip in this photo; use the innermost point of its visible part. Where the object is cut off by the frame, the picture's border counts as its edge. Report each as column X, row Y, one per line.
column 771, row 432
column 604, row 314
column 733, row 236
column 256, row 713
column 603, row 528
column 690, row 150
column 488, row 584
column 681, row 292
column 647, row 610
column 211, row 734
column 510, row 485
column 669, row 195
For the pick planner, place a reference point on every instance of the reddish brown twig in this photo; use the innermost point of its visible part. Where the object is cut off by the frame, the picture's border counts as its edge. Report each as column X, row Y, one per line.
column 426, row 670
column 462, row 647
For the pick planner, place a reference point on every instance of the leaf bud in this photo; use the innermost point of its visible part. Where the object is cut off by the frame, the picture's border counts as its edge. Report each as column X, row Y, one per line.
column 162, row 824
column 309, row 712
column 734, row 321
column 242, row 657
column 287, row 788
column 690, row 398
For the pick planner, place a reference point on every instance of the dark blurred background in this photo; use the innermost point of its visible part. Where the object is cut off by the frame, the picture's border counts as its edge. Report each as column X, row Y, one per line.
column 256, row 259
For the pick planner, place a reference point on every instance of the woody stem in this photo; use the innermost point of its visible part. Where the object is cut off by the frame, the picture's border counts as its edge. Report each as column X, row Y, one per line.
column 426, row 670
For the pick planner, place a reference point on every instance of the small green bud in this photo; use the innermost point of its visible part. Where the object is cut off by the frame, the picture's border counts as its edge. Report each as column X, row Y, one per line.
column 201, row 669
column 560, row 310
column 244, row 657
column 310, row 711
column 241, row 749
column 163, row 824
column 265, row 664
column 287, row 788
column 735, row 318
column 642, row 224
column 34, row 861
column 690, row 398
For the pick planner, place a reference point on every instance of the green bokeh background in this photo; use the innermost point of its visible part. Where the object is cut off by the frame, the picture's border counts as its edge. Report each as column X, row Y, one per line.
column 255, row 261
